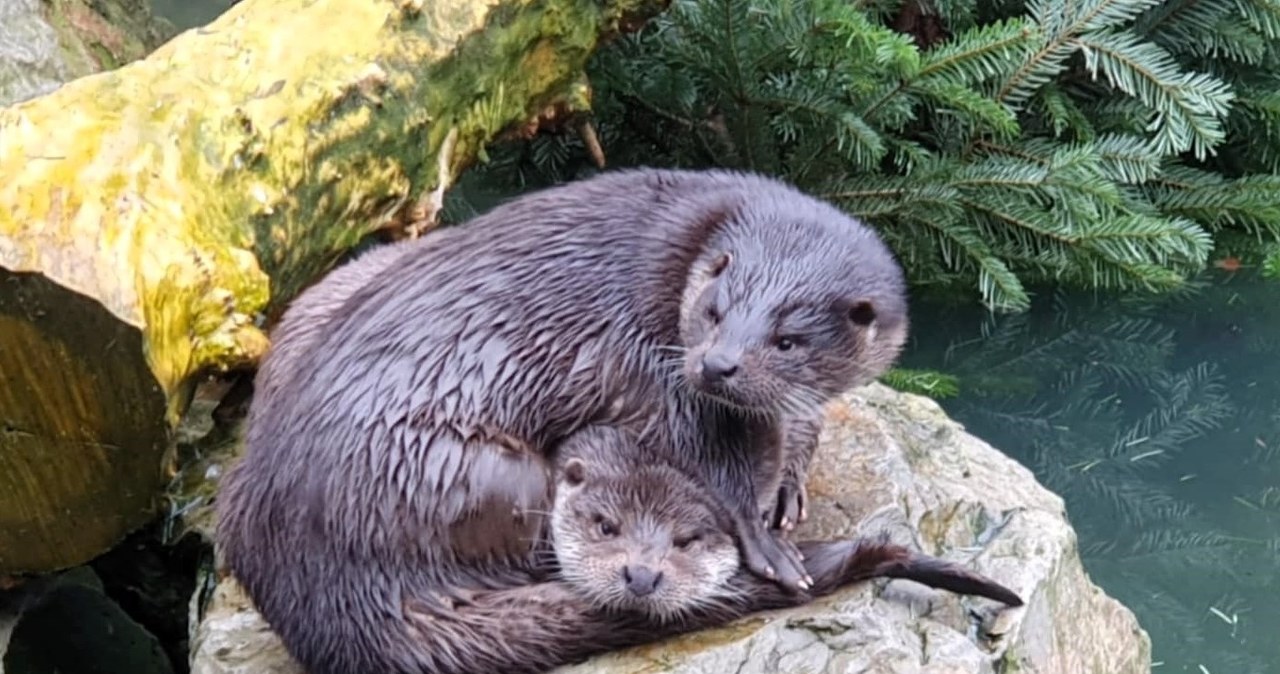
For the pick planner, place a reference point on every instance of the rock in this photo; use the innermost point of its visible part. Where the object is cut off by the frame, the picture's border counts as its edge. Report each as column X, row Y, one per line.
column 65, row 623
column 893, row 462
column 889, row 462
column 30, row 61
column 45, row 44
column 232, row 638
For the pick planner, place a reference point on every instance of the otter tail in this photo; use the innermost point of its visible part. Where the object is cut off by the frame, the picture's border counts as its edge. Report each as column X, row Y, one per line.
column 835, row 564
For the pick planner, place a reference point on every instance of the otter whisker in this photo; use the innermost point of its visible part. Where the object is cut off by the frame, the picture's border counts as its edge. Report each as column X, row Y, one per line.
column 752, row 413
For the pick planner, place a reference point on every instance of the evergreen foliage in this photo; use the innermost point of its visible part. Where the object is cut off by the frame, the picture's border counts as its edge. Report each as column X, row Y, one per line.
column 922, row 382
column 999, row 144
column 1158, row 423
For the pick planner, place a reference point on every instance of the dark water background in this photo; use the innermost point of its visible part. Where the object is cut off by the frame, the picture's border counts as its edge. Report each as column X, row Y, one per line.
column 1158, row 421
column 189, row 13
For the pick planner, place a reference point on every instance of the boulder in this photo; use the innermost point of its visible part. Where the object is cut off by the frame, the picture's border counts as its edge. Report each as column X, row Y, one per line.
column 67, row 623
column 889, row 462
column 44, row 44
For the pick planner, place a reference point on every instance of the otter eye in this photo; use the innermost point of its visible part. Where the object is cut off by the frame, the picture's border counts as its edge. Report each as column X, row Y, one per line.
column 686, row 541
column 713, row 315
column 785, row 343
column 607, row 528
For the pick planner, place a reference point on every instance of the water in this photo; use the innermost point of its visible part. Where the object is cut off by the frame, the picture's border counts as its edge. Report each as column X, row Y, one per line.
column 189, row 13
column 1159, row 424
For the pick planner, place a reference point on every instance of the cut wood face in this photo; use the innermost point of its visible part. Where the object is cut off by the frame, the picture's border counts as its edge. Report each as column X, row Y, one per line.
column 82, row 427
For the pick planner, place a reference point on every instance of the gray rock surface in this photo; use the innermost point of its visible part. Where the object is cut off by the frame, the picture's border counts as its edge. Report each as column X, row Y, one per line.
column 31, row 61
column 888, row 462
column 43, row 44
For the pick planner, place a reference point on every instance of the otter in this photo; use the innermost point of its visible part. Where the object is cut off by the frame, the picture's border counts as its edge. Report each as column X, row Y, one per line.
column 308, row 314
column 643, row 553
column 635, row 533
column 779, row 321
column 376, row 474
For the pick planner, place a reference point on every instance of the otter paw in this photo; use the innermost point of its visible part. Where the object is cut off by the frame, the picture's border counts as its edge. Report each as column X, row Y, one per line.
column 773, row 557
column 791, row 506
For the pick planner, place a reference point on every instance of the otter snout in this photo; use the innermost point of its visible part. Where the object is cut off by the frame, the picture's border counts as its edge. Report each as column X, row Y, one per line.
column 641, row 580
column 718, row 365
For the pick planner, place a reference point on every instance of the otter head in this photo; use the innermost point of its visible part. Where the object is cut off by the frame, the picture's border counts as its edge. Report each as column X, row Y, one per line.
column 645, row 540
column 791, row 304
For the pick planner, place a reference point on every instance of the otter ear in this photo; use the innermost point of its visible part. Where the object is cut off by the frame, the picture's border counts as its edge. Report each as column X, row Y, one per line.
column 719, row 263
column 861, row 312
column 575, row 472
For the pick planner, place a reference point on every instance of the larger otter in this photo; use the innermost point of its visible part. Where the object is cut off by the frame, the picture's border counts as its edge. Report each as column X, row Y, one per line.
column 644, row 553
column 427, row 404
column 309, row 313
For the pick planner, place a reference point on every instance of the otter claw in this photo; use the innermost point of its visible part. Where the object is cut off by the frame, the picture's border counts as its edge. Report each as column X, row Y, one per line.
column 791, row 507
column 773, row 557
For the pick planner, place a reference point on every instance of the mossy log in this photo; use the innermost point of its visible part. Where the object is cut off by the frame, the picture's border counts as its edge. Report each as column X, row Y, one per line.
column 151, row 216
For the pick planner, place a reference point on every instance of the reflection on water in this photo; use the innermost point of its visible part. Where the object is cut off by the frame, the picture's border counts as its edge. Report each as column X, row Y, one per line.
column 1159, row 423
column 189, row 13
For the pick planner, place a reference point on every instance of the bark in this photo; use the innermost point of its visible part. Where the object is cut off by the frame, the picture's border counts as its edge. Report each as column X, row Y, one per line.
column 153, row 215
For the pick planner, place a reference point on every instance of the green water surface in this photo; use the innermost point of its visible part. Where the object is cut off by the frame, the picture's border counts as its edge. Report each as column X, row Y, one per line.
column 189, row 13
column 1159, row 424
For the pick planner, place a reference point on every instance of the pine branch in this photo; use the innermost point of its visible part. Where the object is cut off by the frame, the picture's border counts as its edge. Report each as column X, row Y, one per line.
column 922, row 382
column 1061, row 26
column 1063, row 113
column 1262, row 15
column 962, row 245
column 999, row 157
column 1250, row 202
column 1191, row 106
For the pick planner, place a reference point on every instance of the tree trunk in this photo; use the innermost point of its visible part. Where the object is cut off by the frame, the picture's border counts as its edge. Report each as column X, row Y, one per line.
column 152, row 215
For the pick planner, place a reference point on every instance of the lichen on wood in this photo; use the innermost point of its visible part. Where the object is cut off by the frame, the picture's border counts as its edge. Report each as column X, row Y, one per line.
column 187, row 194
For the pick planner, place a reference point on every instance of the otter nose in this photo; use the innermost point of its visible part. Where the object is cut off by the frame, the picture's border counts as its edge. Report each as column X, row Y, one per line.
column 641, row 580
column 718, row 366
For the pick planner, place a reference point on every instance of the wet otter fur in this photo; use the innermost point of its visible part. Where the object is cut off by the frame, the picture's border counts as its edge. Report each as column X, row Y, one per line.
column 307, row 315
column 403, row 461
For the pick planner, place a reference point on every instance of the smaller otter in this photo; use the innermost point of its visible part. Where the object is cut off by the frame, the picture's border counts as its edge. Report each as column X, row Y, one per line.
column 633, row 533
column 643, row 553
